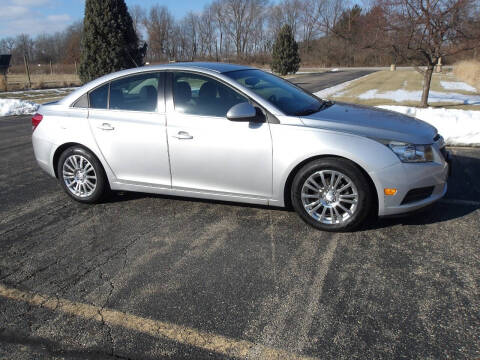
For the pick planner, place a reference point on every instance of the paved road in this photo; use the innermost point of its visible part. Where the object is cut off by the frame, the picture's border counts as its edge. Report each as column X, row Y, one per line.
column 319, row 81
column 149, row 277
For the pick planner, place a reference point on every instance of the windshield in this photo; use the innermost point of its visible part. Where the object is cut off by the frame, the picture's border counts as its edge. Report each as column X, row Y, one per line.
column 290, row 99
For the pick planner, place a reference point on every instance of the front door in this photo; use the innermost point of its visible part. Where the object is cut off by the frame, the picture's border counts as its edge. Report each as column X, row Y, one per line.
column 209, row 153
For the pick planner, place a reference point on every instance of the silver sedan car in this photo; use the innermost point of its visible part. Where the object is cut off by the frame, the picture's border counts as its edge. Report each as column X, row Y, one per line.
column 236, row 133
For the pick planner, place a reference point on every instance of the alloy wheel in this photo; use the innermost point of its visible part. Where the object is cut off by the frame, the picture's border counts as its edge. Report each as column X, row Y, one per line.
column 79, row 176
column 329, row 197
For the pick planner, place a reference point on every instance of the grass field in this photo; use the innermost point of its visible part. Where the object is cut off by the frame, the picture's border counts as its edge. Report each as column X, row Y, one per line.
column 404, row 87
column 41, row 81
column 468, row 71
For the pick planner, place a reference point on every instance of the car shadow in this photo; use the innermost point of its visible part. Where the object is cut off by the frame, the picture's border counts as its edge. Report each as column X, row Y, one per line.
column 462, row 198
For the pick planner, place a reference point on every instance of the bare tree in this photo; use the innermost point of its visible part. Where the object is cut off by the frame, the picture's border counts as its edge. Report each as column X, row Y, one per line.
column 138, row 15
column 23, row 46
column 239, row 18
column 423, row 31
column 72, row 43
column 287, row 12
column 191, row 21
column 48, row 48
column 330, row 12
column 310, row 11
column 207, row 32
column 7, row 45
column 159, row 24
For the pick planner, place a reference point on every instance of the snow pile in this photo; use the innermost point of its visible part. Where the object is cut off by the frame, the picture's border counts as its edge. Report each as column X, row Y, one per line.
column 64, row 90
column 458, row 127
column 435, row 96
column 457, row 85
column 335, row 70
column 17, row 107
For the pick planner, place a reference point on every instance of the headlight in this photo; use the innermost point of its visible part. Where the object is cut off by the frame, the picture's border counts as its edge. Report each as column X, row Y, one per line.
column 410, row 153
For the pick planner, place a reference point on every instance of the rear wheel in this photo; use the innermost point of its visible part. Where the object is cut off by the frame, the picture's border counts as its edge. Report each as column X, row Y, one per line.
column 81, row 175
column 332, row 194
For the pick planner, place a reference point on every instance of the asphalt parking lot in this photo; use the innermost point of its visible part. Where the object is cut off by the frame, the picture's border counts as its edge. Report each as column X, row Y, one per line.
column 146, row 277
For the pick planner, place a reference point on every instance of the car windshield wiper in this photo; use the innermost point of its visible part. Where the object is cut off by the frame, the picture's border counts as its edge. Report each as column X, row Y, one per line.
column 310, row 111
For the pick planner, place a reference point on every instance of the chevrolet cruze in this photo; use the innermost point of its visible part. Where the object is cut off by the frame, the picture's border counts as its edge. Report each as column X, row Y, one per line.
column 236, row 133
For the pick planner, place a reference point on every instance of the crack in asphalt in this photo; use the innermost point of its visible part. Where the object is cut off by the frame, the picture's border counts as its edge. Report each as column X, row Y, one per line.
column 33, row 219
column 103, row 323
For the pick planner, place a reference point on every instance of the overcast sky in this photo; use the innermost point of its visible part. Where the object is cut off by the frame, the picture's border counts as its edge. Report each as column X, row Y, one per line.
column 34, row 17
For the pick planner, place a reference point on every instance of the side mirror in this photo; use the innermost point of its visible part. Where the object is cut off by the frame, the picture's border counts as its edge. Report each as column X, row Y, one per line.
column 242, row 112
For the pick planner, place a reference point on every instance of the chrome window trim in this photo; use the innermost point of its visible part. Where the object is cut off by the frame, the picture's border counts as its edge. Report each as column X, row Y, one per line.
column 161, row 89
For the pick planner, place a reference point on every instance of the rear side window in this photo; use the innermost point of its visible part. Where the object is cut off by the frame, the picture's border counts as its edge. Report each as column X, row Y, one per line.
column 135, row 93
column 99, row 97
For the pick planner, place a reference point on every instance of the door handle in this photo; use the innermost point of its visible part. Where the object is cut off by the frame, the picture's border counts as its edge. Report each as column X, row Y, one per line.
column 183, row 135
column 106, row 126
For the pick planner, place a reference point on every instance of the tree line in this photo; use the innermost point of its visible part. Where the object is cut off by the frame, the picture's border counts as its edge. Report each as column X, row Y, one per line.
column 60, row 47
column 329, row 32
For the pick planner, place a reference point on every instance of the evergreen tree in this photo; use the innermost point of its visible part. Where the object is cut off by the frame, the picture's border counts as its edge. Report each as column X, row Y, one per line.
column 285, row 58
column 109, row 40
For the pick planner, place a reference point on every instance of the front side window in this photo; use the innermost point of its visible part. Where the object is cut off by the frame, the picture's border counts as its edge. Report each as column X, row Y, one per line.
column 135, row 93
column 201, row 95
column 285, row 96
column 98, row 98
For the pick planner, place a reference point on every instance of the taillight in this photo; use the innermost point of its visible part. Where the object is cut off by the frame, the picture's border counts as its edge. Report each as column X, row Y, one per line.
column 36, row 120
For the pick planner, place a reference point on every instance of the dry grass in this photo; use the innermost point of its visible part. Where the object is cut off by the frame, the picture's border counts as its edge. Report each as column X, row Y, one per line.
column 405, row 79
column 43, row 69
column 42, row 81
column 3, row 83
column 468, row 71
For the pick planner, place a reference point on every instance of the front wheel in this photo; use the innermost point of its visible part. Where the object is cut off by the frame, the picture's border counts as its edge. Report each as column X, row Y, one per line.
column 81, row 175
column 332, row 194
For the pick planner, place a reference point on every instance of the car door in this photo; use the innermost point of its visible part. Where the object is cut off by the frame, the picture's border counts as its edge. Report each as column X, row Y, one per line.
column 127, row 118
column 208, row 152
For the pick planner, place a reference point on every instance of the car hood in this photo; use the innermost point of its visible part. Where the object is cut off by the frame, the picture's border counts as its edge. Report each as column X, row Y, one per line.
column 372, row 122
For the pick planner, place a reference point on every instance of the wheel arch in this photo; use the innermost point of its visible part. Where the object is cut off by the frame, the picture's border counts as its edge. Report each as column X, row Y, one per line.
column 58, row 152
column 288, row 184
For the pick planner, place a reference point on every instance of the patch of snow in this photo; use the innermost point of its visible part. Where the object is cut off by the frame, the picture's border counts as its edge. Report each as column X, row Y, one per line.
column 435, row 96
column 457, row 85
column 336, row 90
column 335, row 70
column 17, row 107
column 458, row 127
column 26, row 92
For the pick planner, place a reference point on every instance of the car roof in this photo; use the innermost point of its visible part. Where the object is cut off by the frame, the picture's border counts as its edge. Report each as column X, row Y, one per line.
column 212, row 66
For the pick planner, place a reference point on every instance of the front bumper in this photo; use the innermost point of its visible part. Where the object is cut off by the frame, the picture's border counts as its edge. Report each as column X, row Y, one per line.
column 406, row 177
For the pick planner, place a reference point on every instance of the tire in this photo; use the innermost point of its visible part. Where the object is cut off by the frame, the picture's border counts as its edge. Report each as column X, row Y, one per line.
column 332, row 207
column 82, row 176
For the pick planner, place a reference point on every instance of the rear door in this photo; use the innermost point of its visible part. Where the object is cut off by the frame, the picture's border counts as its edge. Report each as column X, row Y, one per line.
column 127, row 118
